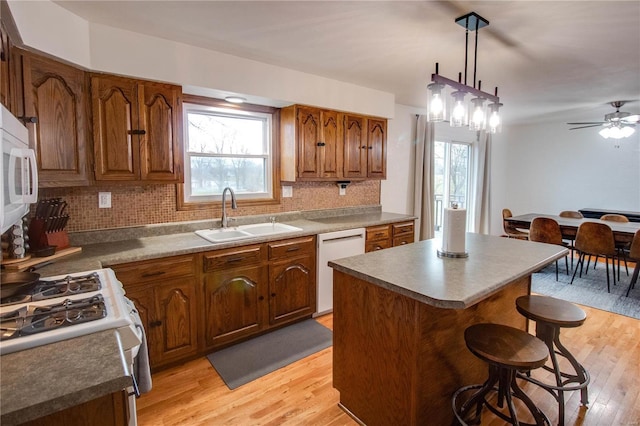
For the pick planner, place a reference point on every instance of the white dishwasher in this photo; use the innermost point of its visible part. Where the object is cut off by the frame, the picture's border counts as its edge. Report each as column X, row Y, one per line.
column 331, row 246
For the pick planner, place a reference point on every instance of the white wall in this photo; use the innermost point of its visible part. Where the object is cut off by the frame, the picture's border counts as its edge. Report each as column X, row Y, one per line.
column 546, row 168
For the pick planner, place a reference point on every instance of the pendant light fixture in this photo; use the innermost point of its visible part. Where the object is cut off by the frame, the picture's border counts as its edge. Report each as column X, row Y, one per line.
column 483, row 109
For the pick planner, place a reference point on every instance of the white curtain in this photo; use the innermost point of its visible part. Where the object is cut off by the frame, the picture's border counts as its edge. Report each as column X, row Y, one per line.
column 481, row 184
column 423, row 191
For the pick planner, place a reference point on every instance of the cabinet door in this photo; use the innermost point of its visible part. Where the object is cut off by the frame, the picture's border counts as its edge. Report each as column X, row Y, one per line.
column 330, row 143
column 160, row 132
column 142, row 298
column 234, row 304
column 56, row 96
column 355, row 146
column 309, row 135
column 377, row 148
column 4, row 68
column 292, row 286
column 175, row 318
column 115, row 117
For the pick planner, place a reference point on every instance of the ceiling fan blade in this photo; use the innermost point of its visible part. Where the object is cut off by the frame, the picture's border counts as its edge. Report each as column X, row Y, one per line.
column 590, row 122
column 584, row 127
column 631, row 119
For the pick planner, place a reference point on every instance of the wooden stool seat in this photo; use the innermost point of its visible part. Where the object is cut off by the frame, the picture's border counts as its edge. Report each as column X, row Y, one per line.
column 553, row 311
column 551, row 315
column 506, row 350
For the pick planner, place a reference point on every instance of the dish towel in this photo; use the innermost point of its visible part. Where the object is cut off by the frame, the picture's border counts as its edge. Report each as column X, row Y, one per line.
column 141, row 368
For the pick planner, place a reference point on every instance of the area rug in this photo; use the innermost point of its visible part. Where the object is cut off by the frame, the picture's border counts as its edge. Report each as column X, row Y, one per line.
column 240, row 364
column 590, row 289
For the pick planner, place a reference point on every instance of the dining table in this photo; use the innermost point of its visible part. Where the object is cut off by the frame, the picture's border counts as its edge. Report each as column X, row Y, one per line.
column 623, row 232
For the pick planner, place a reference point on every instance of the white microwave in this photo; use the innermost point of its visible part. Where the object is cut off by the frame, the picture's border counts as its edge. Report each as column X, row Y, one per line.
column 19, row 170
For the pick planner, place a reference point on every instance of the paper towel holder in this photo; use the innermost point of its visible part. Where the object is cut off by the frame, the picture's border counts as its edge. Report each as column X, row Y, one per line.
column 452, row 254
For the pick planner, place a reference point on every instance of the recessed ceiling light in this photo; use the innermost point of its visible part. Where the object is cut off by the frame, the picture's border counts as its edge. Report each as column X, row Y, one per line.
column 235, row 99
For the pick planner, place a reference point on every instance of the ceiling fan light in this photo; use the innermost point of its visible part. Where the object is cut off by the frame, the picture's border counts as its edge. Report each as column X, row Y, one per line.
column 605, row 133
column 627, row 131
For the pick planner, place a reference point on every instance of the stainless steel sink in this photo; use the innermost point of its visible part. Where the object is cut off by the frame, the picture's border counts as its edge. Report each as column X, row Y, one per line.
column 221, row 235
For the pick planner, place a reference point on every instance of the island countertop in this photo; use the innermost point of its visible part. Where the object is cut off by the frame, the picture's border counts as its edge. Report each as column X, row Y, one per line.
column 416, row 271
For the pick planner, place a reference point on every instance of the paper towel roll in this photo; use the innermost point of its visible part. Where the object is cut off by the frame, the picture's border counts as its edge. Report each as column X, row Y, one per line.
column 454, row 231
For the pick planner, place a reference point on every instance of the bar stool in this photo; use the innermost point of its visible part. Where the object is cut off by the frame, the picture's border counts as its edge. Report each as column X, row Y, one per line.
column 551, row 315
column 506, row 350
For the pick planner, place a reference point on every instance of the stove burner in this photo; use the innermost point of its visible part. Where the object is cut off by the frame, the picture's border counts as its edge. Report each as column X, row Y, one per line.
column 48, row 289
column 33, row 319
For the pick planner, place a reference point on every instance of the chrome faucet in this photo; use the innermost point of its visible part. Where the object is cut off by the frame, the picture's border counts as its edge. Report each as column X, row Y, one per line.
column 234, row 205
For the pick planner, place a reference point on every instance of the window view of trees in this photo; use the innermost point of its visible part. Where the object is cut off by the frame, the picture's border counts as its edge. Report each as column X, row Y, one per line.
column 451, row 177
column 226, row 149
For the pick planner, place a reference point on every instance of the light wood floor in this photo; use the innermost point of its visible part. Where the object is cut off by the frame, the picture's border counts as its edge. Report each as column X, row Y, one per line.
column 608, row 345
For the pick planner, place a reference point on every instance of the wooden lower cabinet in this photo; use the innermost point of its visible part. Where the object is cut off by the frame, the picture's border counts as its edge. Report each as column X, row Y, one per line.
column 384, row 236
column 235, row 283
column 108, row 410
column 165, row 294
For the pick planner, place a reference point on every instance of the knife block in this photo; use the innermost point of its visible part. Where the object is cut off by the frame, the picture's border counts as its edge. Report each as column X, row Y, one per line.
column 39, row 238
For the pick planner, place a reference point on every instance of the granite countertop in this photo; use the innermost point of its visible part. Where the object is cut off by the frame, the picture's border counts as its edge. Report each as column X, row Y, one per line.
column 108, row 253
column 53, row 377
column 416, row 271
column 28, row 387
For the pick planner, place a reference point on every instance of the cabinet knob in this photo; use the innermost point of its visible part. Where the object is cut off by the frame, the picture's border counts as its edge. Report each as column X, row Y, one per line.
column 28, row 119
column 363, row 147
column 155, row 323
column 370, row 147
column 321, row 144
column 273, row 295
column 261, row 298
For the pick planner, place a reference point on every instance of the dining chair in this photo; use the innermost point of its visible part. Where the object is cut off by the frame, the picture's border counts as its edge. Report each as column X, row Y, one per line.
column 621, row 247
column 634, row 254
column 547, row 230
column 570, row 234
column 509, row 229
column 595, row 239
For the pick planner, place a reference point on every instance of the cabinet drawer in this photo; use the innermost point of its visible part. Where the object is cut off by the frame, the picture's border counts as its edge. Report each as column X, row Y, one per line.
column 402, row 240
column 146, row 271
column 376, row 245
column 402, row 229
column 375, row 233
column 291, row 248
column 242, row 256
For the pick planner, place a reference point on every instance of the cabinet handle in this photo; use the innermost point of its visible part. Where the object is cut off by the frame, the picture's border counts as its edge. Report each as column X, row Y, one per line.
column 137, row 132
column 379, row 234
column 235, row 259
column 321, row 144
column 155, row 323
column 293, row 249
column 153, row 274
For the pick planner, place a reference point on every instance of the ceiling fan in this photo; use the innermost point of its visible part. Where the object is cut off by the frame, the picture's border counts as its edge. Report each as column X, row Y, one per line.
column 617, row 124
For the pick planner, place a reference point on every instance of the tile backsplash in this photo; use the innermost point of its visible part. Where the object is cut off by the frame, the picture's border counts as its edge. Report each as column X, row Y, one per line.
column 151, row 204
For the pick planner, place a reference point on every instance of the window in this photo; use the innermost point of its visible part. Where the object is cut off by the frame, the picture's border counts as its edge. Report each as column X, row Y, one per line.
column 452, row 172
column 227, row 146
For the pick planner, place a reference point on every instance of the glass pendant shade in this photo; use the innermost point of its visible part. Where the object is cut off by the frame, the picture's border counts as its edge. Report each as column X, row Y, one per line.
column 458, row 116
column 495, row 123
column 437, row 107
column 477, row 119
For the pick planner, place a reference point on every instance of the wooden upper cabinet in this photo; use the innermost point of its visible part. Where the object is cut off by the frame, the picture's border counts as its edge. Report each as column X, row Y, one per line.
column 376, row 148
column 318, row 144
column 56, row 108
column 318, row 135
column 137, row 130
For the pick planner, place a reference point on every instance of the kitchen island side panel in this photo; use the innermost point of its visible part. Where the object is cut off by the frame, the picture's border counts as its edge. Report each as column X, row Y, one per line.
column 397, row 360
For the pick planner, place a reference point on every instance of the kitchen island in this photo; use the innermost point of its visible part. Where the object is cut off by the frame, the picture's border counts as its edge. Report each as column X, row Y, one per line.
column 399, row 321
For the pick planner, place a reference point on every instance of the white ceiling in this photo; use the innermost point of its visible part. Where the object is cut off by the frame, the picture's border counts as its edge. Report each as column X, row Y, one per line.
column 549, row 58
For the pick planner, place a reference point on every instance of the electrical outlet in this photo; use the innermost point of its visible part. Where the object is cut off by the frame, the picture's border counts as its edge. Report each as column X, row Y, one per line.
column 104, row 200
column 343, row 190
column 287, row 191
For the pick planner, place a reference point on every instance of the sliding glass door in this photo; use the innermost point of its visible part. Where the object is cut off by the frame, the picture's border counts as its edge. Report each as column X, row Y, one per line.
column 452, row 176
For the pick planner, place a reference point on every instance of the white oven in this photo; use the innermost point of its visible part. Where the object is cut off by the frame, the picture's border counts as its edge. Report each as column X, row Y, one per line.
column 67, row 306
column 18, row 169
